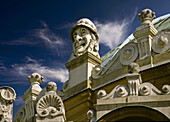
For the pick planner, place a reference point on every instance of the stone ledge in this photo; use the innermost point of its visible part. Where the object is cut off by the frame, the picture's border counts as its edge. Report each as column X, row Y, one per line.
column 87, row 57
column 133, row 99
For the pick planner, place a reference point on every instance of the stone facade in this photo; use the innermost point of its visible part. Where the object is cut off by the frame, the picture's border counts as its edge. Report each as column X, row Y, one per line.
column 131, row 82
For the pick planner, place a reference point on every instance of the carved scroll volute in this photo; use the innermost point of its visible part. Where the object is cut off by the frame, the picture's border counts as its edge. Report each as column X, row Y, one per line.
column 118, row 91
column 91, row 114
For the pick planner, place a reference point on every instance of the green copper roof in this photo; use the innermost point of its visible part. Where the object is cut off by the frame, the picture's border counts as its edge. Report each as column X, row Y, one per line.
column 160, row 23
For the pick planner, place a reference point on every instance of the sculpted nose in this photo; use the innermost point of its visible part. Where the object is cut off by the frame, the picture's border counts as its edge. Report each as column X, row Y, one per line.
column 78, row 38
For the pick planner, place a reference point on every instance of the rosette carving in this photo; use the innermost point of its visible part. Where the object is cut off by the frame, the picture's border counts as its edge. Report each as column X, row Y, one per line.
column 128, row 54
column 161, row 41
column 50, row 105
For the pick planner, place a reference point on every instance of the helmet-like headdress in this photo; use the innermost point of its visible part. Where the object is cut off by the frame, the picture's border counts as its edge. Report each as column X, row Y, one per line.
column 84, row 23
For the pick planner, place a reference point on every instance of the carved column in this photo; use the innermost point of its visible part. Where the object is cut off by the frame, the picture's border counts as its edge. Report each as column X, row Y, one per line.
column 7, row 97
column 145, row 32
column 30, row 95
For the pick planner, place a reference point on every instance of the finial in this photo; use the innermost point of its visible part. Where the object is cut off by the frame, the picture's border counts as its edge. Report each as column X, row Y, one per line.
column 35, row 78
column 51, row 86
column 146, row 16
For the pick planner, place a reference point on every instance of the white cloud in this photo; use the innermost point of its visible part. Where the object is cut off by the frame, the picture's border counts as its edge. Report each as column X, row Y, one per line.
column 34, row 66
column 21, row 71
column 40, row 36
column 113, row 33
column 48, row 36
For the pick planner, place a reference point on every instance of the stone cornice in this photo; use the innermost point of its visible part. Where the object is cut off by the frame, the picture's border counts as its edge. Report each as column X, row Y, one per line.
column 86, row 57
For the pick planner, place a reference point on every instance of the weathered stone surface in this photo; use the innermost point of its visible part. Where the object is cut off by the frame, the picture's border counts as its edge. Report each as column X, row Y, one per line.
column 7, row 97
column 85, row 38
column 49, row 107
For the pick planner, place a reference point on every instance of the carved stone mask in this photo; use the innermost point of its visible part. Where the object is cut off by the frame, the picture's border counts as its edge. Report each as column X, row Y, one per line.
column 82, row 39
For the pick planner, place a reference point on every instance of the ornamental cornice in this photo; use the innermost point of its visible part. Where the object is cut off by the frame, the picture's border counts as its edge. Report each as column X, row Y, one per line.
column 87, row 57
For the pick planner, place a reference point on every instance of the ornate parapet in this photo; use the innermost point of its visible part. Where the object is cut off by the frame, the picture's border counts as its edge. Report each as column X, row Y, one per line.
column 7, row 97
column 49, row 106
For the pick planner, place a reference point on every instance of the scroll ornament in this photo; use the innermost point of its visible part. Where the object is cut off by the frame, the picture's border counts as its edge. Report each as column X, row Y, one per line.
column 144, row 89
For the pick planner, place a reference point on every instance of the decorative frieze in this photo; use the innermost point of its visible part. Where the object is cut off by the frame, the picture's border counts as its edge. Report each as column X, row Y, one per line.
column 144, row 89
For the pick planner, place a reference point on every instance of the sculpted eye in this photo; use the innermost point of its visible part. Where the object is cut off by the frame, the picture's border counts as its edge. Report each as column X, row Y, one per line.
column 74, row 35
column 83, row 31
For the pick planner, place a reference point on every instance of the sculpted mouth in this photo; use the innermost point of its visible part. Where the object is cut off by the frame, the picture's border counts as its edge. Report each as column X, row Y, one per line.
column 80, row 44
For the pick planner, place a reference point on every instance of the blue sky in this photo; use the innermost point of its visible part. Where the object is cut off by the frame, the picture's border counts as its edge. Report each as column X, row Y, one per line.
column 35, row 34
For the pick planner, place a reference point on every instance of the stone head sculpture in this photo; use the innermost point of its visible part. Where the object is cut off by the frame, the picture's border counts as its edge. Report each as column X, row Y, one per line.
column 51, row 86
column 85, row 38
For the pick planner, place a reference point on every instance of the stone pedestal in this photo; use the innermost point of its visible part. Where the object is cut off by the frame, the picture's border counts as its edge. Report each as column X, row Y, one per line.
column 80, row 70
